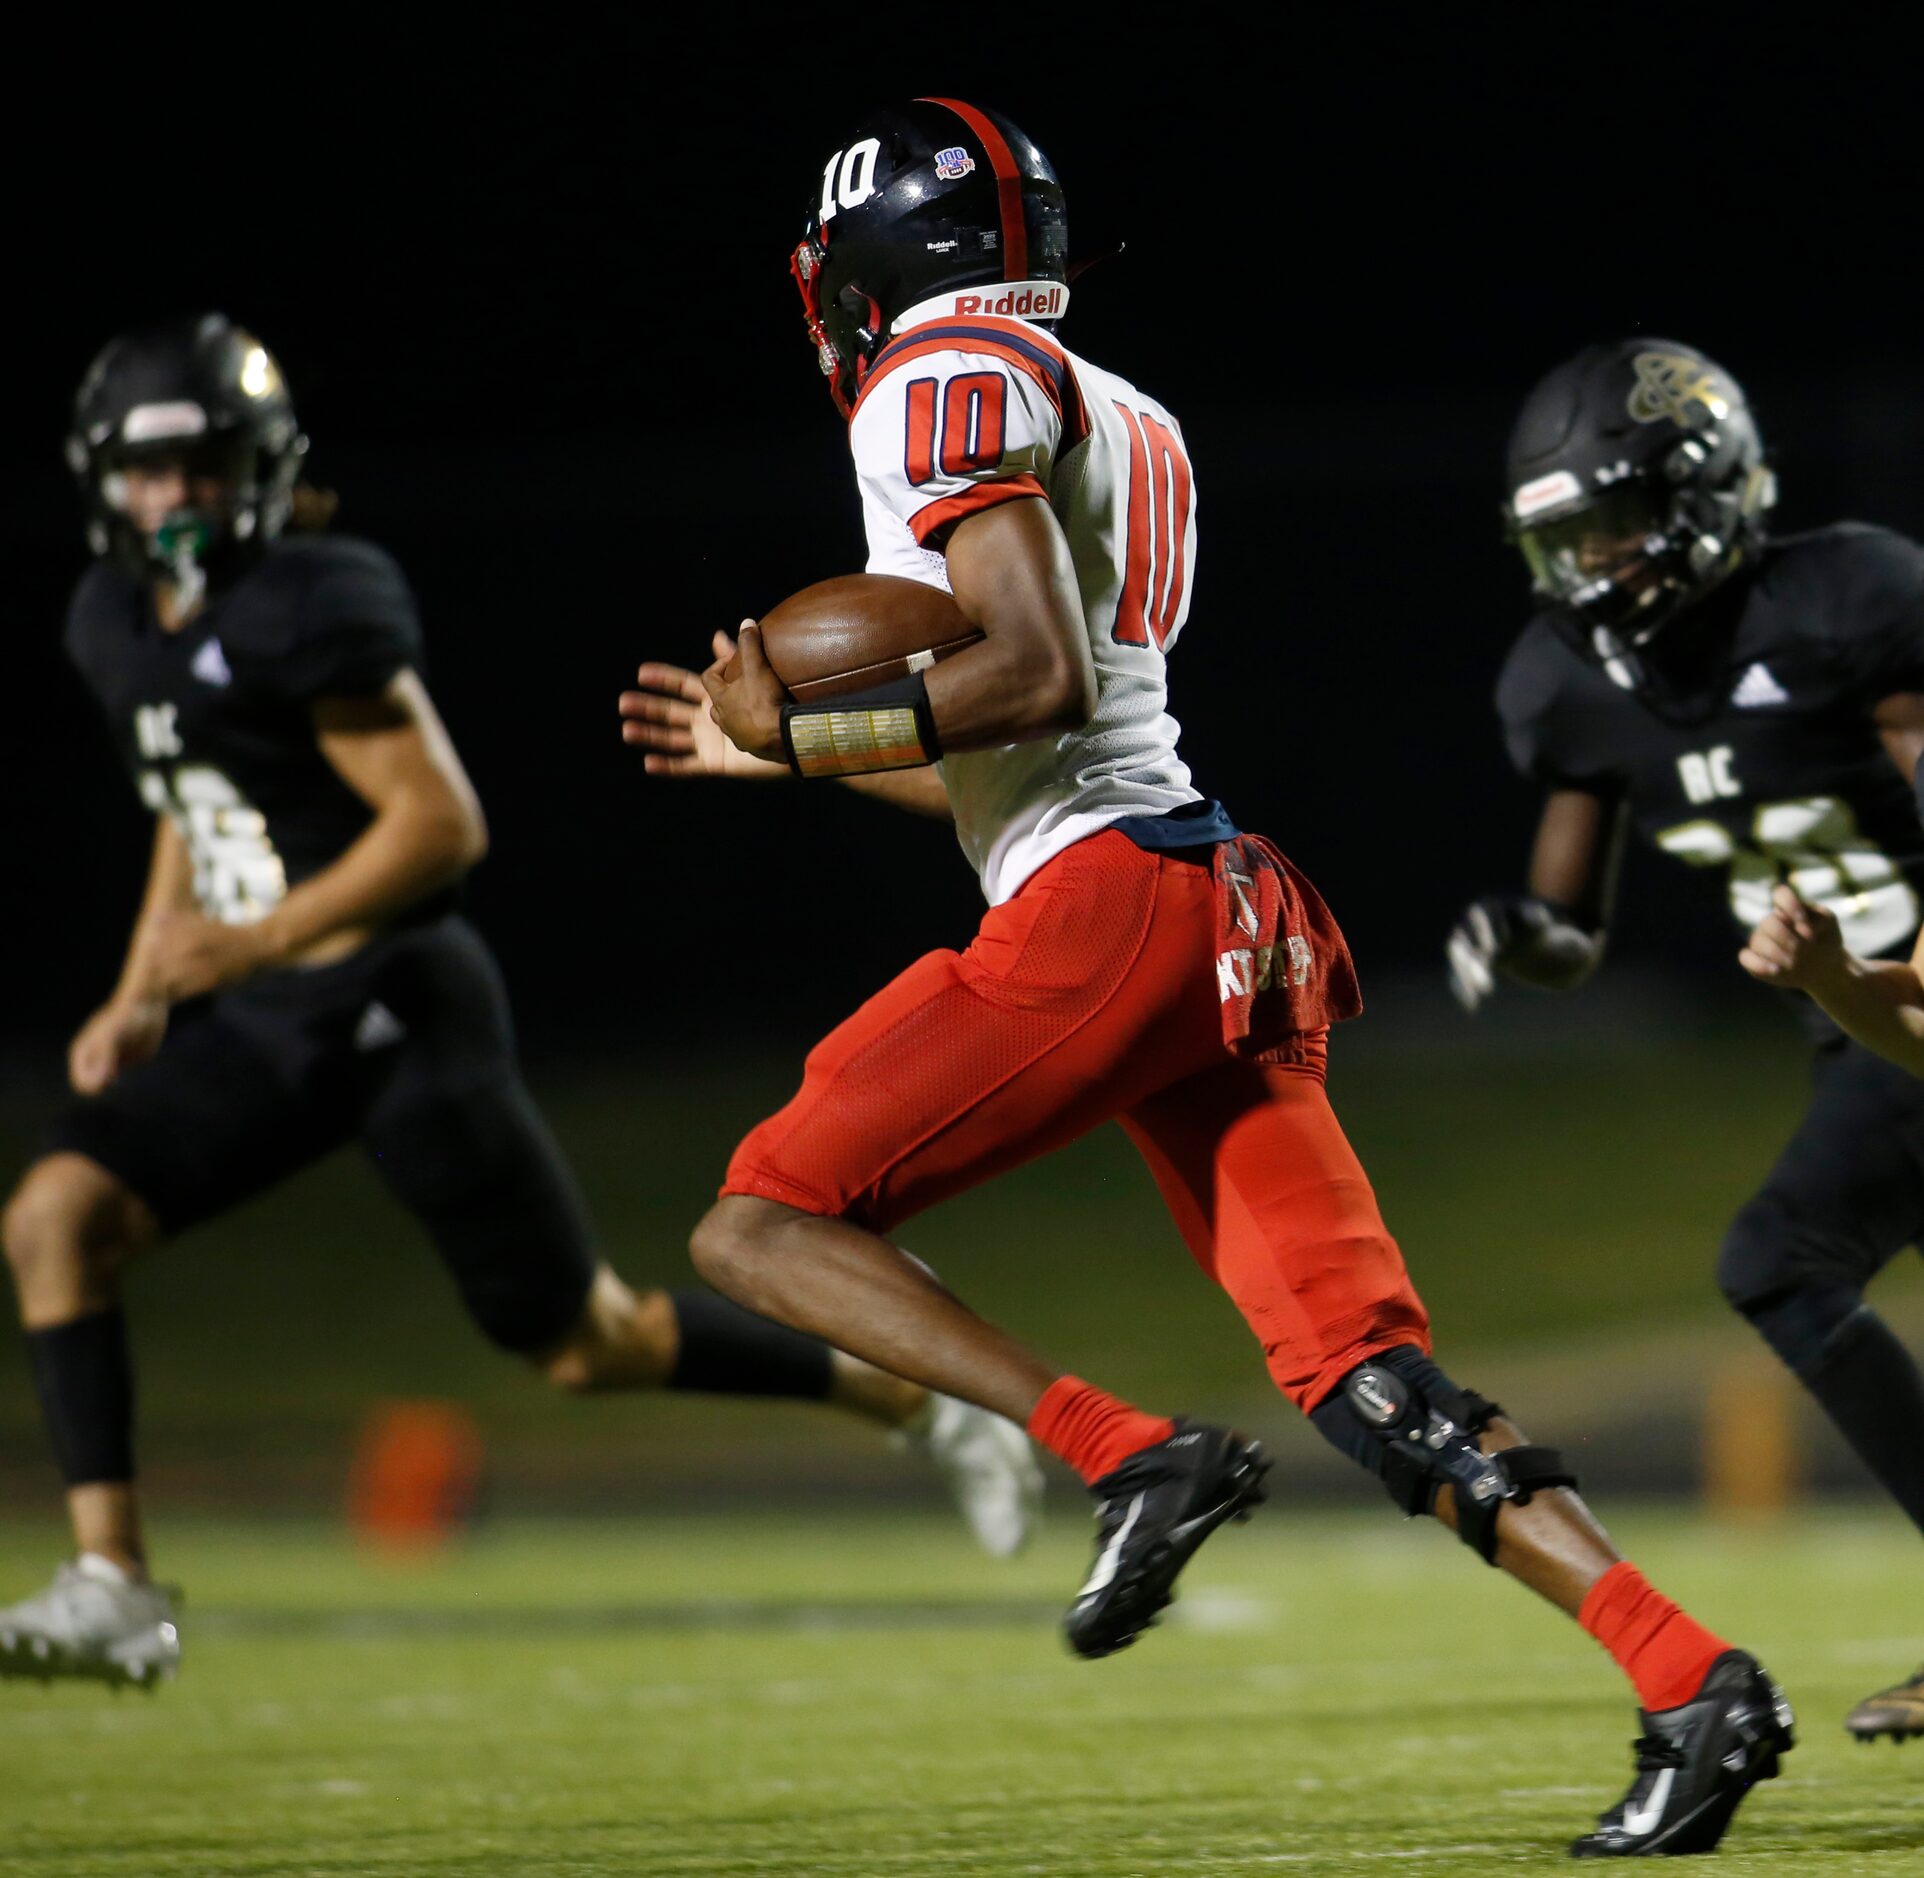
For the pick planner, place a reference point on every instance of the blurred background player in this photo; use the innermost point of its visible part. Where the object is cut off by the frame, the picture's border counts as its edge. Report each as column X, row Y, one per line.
column 299, row 978
column 1753, row 703
column 1141, row 960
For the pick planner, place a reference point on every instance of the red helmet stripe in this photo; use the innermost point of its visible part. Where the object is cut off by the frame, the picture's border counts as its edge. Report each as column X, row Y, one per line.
column 1008, row 185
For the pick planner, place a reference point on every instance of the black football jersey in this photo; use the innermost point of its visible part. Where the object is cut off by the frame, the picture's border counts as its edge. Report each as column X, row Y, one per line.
column 215, row 721
column 1761, row 758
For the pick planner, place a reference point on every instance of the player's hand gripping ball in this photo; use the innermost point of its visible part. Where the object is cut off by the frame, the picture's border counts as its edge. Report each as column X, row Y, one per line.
column 836, row 637
column 860, row 630
column 1795, row 945
column 668, row 715
column 747, row 698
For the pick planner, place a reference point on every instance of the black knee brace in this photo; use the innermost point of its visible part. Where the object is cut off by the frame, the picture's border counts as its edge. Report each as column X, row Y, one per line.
column 1400, row 1417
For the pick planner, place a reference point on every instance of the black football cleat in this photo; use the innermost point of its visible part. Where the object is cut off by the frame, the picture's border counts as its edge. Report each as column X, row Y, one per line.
column 1897, row 1711
column 1152, row 1513
column 1695, row 1763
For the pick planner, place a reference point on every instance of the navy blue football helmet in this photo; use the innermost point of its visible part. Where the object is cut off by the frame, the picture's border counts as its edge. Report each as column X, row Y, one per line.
column 933, row 198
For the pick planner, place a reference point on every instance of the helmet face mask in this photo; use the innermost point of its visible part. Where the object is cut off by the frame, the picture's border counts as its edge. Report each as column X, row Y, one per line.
column 1638, row 486
column 1629, row 560
column 931, row 199
column 206, row 399
column 846, row 334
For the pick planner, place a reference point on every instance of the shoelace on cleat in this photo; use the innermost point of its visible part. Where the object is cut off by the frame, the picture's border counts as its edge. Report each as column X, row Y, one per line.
column 1653, row 1755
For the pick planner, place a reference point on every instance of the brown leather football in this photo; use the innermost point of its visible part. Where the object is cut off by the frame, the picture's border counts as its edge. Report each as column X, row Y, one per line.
column 860, row 630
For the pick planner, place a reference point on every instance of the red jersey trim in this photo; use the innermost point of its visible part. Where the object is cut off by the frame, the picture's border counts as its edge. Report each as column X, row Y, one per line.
column 943, row 515
column 1007, row 341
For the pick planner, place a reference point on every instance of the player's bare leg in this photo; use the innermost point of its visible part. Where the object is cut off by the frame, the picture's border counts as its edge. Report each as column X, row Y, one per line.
column 1553, row 1544
column 852, row 1288
column 628, row 1340
column 69, row 1230
column 1161, row 1487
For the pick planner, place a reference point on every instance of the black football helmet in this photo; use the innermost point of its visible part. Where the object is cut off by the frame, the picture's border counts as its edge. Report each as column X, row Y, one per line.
column 202, row 389
column 1637, row 484
column 931, row 198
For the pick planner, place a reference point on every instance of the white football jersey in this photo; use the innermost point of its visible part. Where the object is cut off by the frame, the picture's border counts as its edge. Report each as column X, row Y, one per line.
column 960, row 413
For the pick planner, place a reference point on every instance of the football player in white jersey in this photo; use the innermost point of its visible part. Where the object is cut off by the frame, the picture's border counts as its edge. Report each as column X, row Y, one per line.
column 1142, row 960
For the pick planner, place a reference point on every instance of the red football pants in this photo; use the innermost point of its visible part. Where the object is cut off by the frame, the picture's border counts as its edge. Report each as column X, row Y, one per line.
column 1092, row 995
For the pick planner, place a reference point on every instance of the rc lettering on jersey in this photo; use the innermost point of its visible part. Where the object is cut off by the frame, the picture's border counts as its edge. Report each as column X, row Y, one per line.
column 1709, row 775
column 157, row 731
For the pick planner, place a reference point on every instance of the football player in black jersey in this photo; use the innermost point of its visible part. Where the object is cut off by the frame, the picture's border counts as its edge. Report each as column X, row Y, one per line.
column 298, row 977
column 1753, row 703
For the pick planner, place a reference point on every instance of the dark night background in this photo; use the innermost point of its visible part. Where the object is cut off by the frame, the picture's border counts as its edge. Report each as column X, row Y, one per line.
column 528, row 281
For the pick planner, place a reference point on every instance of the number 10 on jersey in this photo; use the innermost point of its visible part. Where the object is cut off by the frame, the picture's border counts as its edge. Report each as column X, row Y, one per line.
column 1159, row 501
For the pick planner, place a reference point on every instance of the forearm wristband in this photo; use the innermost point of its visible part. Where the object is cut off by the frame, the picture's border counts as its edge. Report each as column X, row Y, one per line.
column 887, row 727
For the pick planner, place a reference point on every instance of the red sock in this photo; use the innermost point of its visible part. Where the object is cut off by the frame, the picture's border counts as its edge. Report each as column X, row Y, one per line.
column 1659, row 1646
column 1092, row 1431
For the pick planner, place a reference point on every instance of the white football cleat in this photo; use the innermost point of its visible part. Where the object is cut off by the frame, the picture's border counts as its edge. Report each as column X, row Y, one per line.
column 93, row 1621
column 991, row 1468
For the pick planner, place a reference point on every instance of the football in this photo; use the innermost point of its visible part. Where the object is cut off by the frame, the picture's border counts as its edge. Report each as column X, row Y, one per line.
column 859, row 630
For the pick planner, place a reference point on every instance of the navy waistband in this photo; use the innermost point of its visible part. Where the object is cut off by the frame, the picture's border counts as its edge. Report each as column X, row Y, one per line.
column 1194, row 825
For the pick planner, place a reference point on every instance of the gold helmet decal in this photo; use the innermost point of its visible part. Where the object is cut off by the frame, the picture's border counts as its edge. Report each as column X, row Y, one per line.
column 260, row 377
column 1669, row 384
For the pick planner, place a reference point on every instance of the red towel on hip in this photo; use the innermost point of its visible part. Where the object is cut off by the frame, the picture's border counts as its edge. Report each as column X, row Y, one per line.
column 1282, row 966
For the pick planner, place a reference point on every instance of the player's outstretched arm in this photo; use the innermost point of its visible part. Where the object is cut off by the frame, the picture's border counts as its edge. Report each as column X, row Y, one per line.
column 1880, row 1002
column 1553, row 935
column 394, row 752
column 668, row 716
column 427, row 831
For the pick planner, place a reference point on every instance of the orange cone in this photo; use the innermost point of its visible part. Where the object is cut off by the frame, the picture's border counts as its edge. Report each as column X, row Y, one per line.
column 416, row 1476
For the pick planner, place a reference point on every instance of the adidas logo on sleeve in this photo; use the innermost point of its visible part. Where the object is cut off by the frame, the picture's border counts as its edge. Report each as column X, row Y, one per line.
column 1758, row 686
column 210, row 665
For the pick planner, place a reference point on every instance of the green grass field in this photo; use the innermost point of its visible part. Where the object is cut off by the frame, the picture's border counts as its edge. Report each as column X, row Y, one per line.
column 766, row 1651
column 1559, row 1192
column 862, row 1696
